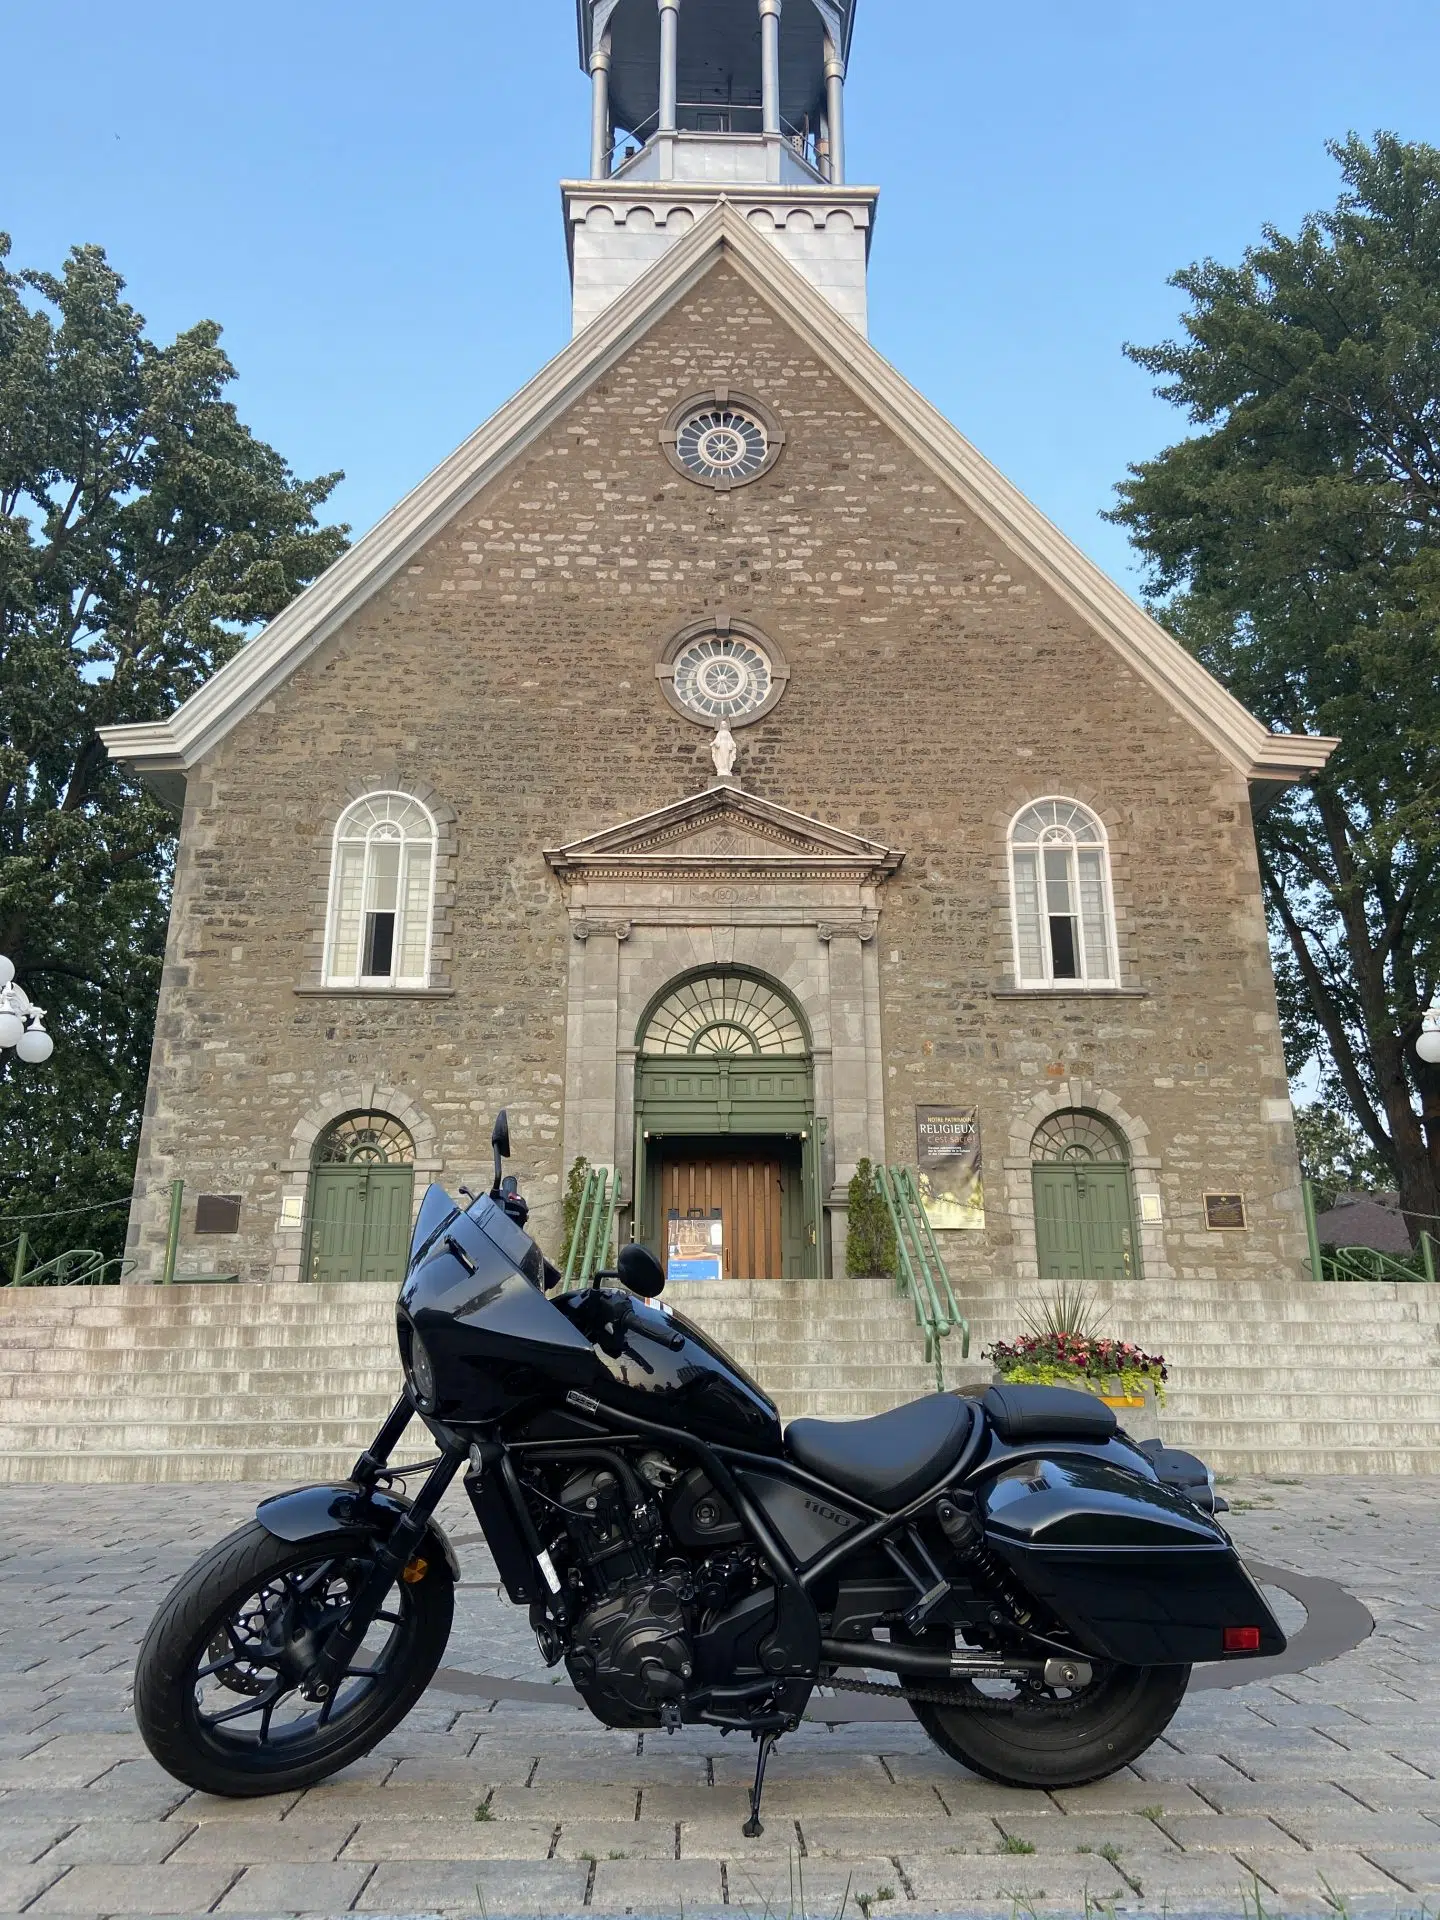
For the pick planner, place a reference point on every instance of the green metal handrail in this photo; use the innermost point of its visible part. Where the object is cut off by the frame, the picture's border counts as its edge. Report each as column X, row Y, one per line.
column 1363, row 1263
column 589, row 1248
column 77, row 1267
column 922, row 1271
column 916, row 1204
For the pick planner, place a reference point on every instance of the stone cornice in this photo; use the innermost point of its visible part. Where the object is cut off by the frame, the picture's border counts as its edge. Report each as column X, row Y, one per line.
column 750, row 839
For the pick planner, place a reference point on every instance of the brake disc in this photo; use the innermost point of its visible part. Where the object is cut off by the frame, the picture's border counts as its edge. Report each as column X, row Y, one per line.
column 239, row 1677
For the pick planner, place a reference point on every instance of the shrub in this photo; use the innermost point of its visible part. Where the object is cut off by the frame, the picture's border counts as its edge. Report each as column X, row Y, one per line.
column 869, row 1235
column 574, row 1188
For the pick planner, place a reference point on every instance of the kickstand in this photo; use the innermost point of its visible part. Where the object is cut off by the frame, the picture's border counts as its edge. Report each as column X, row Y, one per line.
column 752, row 1828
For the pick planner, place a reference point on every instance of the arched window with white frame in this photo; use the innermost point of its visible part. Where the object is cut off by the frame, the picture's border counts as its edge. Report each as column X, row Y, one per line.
column 1061, row 906
column 382, row 892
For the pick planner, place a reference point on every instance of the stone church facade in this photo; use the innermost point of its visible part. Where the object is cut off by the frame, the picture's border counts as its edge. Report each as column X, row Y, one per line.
column 455, row 836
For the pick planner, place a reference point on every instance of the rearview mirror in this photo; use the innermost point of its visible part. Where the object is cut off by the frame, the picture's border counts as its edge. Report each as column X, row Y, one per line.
column 500, row 1142
column 640, row 1271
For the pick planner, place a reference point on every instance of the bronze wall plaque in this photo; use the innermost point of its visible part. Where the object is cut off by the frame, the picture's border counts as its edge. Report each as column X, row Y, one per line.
column 217, row 1213
column 1224, row 1211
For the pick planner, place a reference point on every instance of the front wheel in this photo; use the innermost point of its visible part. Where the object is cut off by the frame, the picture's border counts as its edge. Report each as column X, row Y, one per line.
column 219, row 1681
column 1035, row 1737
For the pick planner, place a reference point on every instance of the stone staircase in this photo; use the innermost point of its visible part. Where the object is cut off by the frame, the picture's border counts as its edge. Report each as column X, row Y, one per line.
column 283, row 1383
column 1272, row 1376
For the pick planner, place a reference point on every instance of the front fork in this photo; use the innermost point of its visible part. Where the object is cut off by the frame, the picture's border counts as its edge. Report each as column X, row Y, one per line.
column 392, row 1555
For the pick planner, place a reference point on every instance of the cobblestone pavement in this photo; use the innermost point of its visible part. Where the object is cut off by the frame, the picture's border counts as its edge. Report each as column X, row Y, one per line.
column 1311, row 1793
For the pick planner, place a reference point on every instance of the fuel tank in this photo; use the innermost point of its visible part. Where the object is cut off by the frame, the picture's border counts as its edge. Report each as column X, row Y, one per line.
column 698, row 1387
column 471, row 1303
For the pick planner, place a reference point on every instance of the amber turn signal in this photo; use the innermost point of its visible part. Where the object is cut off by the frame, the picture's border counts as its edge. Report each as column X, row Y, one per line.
column 1236, row 1639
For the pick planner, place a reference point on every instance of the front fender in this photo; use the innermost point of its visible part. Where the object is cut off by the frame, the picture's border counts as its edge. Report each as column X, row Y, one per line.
column 309, row 1513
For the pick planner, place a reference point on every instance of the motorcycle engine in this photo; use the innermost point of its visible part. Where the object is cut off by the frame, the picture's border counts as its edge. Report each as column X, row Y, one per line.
column 630, row 1655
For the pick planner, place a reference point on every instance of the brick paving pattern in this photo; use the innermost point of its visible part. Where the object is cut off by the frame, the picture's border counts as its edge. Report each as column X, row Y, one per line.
column 1312, row 1793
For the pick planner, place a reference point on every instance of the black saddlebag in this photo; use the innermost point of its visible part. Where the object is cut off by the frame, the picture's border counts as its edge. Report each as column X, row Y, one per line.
column 1134, row 1570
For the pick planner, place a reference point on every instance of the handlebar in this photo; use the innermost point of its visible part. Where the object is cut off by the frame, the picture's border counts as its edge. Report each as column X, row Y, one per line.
column 628, row 1321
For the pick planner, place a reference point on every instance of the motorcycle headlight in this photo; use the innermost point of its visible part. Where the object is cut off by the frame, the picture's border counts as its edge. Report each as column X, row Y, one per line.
column 421, row 1372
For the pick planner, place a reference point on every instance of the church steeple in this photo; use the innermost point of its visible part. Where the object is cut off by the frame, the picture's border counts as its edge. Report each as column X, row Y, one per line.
column 698, row 100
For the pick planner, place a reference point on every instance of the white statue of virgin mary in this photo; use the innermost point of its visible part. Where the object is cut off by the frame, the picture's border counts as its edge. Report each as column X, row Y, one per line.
column 722, row 750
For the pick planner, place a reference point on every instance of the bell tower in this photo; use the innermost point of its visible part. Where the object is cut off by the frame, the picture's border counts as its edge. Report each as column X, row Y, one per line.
column 697, row 101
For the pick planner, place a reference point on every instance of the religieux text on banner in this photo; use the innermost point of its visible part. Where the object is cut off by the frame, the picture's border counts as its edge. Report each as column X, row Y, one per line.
column 952, row 1188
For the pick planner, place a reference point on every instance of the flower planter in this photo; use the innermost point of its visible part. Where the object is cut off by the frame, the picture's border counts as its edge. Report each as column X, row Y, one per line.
column 1136, row 1411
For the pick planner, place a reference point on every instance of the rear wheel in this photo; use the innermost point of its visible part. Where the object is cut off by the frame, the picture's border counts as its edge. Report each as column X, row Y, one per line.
column 1026, row 1736
column 218, row 1684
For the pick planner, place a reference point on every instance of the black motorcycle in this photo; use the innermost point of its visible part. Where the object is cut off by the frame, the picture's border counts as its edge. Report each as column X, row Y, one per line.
column 1037, row 1584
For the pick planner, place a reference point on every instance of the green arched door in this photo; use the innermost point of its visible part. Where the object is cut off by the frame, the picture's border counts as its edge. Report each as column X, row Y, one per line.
column 1084, row 1218
column 362, row 1191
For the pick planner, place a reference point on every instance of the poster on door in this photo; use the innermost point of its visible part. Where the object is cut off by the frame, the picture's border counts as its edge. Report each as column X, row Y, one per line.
column 947, row 1163
column 696, row 1247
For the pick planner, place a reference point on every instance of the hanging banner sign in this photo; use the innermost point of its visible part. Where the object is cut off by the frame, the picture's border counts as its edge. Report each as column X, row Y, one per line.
column 696, row 1248
column 947, row 1161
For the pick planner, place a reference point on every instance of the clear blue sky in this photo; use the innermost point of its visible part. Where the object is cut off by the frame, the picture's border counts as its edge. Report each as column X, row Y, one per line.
column 364, row 196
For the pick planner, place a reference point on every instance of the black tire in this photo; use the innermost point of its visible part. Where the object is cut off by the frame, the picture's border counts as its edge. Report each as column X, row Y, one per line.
column 1059, row 1742
column 203, row 1641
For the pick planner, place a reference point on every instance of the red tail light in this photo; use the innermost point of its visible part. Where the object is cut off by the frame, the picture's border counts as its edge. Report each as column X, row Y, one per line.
column 1242, row 1639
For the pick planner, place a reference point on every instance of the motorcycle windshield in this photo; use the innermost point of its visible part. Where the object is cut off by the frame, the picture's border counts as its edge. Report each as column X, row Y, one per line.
column 437, row 1210
column 512, row 1241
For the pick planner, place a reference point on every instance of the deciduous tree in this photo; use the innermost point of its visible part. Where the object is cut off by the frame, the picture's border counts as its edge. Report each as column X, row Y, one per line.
column 1294, row 547
column 144, row 531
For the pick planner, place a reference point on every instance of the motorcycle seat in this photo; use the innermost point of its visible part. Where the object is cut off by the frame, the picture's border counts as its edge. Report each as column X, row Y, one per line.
column 1021, row 1414
column 891, row 1457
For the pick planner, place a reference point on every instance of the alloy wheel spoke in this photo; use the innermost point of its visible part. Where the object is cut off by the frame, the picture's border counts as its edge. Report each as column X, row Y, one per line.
column 303, row 1588
column 218, row 1666
column 259, row 1704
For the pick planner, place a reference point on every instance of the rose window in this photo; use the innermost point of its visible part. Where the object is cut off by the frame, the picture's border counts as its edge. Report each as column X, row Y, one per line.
column 719, row 444
column 720, row 677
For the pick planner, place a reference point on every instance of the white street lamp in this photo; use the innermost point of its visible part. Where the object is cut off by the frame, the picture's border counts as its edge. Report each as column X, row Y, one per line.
column 22, row 1023
column 1428, row 1045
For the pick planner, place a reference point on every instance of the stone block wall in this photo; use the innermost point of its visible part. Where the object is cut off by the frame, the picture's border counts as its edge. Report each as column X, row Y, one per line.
column 509, row 674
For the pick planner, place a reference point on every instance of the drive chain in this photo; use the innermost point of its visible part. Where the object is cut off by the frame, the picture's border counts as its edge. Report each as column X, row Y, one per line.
column 972, row 1702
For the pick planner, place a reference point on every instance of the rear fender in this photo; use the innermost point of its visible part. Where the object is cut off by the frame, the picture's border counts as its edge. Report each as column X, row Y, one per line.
column 1134, row 1570
column 309, row 1513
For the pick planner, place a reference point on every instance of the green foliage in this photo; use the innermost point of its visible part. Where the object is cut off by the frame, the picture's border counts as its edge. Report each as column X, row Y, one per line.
column 570, row 1206
column 144, row 532
column 1071, row 1312
column 1335, row 1156
column 1294, row 547
column 869, row 1234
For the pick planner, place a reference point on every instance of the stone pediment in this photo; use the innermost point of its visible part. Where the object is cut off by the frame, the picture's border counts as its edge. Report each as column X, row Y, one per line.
column 727, row 832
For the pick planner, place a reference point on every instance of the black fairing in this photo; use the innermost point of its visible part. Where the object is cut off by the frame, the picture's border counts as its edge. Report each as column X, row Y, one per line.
column 495, row 1342
column 1133, row 1570
column 497, row 1345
